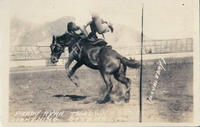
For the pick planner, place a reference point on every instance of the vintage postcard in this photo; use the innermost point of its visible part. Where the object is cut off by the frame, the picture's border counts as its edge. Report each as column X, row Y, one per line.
column 90, row 62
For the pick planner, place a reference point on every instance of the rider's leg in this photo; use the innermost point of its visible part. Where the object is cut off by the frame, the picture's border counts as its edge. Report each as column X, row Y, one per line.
column 104, row 29
column 92, row 36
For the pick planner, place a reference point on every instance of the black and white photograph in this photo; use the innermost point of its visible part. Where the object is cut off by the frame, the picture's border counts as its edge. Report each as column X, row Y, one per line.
column 108, row 61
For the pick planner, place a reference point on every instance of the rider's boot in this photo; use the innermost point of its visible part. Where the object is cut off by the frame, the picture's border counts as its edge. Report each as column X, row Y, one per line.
column 111, row 27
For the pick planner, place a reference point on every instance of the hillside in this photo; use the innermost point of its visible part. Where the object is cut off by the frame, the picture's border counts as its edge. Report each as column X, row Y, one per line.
column 27, row 34
column 24, row 33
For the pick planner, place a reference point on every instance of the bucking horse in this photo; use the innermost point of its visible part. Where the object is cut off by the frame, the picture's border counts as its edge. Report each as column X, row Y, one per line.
column 100, row 57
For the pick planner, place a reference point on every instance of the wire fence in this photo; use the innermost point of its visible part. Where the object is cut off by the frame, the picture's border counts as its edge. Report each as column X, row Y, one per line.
column 150, row 47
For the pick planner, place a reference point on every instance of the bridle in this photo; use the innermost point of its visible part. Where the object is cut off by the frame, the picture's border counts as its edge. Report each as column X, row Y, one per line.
column 60, row 47
column 59, row 50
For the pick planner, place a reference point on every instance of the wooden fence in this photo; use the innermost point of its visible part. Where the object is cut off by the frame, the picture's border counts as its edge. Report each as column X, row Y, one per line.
column 150, row 47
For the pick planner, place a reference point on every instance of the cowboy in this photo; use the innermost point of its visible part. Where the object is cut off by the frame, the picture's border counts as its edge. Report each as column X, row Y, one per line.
column 72, row 28
column 75, row 30
column 97, row 25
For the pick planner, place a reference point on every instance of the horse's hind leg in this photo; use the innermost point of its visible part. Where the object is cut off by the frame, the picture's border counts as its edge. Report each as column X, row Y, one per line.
column 120, row 76
column 109, row 86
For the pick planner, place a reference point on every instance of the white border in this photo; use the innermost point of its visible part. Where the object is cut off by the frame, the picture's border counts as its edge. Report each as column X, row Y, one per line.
column 4, row 79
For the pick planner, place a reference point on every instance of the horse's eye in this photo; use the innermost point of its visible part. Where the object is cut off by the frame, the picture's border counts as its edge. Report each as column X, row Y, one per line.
column 58, row 48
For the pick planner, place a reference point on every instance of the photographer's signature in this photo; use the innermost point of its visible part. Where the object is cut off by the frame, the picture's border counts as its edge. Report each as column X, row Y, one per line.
column 38, row 116
column 160, row 67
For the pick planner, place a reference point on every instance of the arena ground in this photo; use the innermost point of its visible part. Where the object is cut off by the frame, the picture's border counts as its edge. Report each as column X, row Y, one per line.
column 40, row 89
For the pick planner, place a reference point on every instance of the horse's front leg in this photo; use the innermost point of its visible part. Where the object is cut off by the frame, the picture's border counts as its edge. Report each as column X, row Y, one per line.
column 74, row 68
column 72, row 71
column 69, row 61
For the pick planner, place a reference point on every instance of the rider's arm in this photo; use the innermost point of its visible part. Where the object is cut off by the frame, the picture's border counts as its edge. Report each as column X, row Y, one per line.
column 84, row 27
column 78, row 29
column 82, row 31
column 87, row 24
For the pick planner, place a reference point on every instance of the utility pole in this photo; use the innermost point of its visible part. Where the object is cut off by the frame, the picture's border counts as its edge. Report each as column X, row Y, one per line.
column 140, row 97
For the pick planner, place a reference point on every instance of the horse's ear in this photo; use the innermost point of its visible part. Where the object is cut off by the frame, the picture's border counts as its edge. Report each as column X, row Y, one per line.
column 54, row 38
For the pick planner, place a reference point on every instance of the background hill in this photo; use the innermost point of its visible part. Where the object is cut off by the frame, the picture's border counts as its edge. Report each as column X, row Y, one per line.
column 27, row 34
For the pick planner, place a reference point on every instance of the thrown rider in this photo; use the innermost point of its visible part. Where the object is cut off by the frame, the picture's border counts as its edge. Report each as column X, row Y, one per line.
column 74, row 30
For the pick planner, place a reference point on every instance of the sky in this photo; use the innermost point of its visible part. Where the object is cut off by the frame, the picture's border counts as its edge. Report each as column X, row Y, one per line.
column 163, row 19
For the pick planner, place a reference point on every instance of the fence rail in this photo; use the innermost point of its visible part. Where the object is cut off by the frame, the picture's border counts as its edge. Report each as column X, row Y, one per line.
column 150, row 47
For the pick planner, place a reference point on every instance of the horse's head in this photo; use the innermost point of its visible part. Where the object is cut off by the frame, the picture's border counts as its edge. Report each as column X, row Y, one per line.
column 58, row 45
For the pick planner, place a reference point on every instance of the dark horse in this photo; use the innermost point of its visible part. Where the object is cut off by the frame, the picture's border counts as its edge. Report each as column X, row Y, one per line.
column 102, row 58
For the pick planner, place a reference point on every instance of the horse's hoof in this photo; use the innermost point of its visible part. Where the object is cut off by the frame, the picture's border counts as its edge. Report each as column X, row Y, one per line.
column 106, row 99
column 126, row 100
column 127, row 96
column 101, row 101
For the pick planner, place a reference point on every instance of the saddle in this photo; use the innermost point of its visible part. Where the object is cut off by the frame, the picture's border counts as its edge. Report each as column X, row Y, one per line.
column 97, row 42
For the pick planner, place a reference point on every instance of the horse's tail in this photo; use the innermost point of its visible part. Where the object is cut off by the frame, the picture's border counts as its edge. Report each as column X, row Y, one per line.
column 130, row 62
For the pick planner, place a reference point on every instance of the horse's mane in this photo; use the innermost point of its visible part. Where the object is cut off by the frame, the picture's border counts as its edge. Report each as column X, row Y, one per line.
column 60, row 38
column 65, row 37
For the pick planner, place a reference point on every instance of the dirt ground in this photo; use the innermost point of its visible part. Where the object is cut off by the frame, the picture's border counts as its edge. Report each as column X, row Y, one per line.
column 44, row 92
